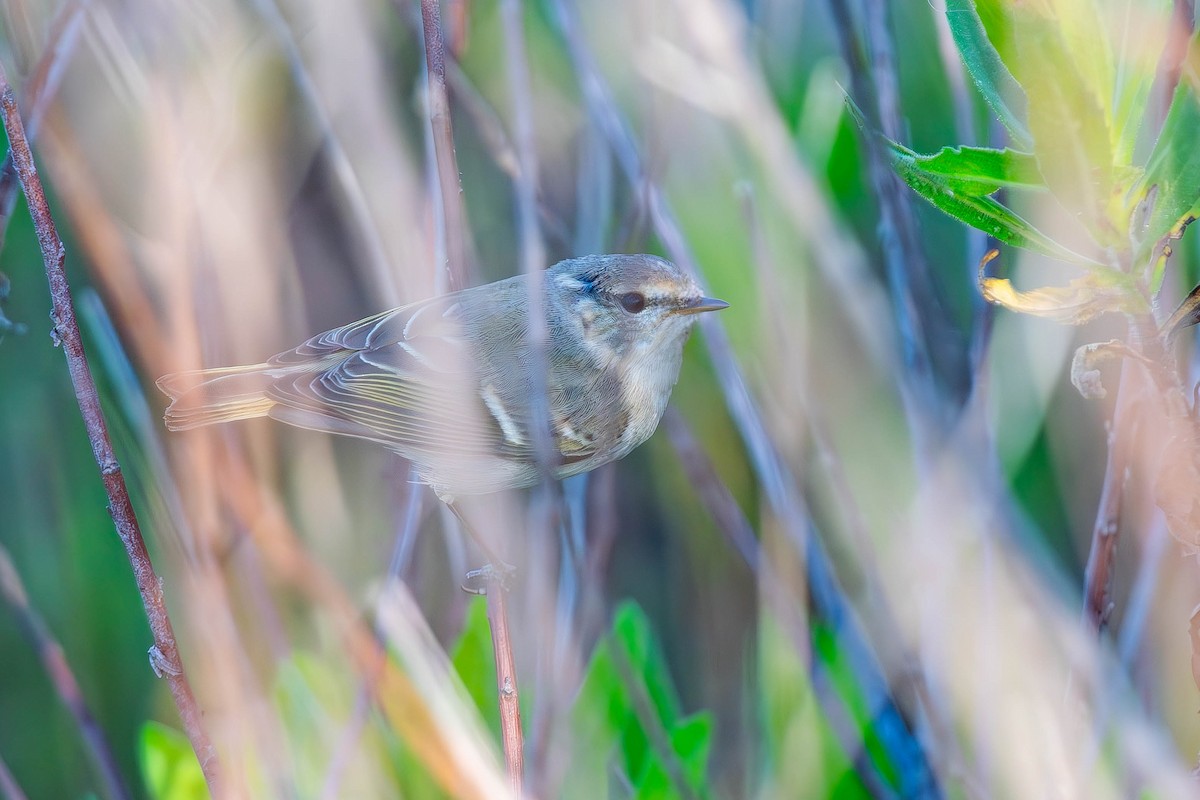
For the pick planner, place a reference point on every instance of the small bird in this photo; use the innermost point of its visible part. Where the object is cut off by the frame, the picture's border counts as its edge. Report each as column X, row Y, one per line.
column 446, row 382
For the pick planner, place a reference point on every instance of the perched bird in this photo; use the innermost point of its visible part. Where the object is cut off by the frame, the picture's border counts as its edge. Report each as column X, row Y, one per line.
column 446, row 382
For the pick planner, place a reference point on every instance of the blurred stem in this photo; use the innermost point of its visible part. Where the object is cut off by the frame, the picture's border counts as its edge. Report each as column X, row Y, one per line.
column 164, row 655
column 909, row 683
column 339, row 160
column 402, row 551
column 62, row 677
column 827, row 600
column 449, row 185
column 827, row 606
column 8, row 784
column 39, row 90
column 533, row 250
column 454, row 767
column 927, row 338
column 1098, row 575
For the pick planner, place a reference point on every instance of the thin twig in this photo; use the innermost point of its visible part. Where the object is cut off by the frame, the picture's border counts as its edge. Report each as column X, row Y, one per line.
column 511, row 740
column 449, row 185
column 40, row 88
column 62, row 677
column 1098, row 575
column 165, row 652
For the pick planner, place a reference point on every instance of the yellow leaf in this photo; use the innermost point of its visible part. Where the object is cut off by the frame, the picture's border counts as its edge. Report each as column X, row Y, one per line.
column 1080, row 301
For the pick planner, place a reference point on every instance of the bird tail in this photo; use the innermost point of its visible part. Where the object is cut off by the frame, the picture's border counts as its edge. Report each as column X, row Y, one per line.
column 207, row 396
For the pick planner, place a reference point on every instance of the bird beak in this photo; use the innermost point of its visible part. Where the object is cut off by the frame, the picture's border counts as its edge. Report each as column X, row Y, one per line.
column 702, row 304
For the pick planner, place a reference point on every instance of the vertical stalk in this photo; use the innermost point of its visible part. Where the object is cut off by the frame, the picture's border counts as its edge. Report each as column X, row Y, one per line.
column 164, row 655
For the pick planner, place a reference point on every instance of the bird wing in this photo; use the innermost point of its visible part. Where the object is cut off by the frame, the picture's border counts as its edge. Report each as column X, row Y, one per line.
column 404, row 378
column 409, row 379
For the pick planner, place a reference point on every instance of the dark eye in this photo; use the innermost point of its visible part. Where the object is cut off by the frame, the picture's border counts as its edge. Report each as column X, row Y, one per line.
column 633, row 302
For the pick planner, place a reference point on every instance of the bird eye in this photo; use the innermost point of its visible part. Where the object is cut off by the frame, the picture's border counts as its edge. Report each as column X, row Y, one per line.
column 633, row 302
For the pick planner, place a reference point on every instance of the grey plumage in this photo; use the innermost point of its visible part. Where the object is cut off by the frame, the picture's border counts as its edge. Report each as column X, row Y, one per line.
column 446, row 382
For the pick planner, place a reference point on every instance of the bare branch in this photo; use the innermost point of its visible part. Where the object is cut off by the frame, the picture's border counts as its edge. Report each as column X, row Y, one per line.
column 511, row 739
column 165, row 652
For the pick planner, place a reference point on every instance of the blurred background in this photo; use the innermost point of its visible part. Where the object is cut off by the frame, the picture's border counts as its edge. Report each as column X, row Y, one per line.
column 850, row 562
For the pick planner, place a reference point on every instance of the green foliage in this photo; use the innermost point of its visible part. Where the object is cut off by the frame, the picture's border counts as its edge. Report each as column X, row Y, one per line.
column 472, row 660
column 1171, row 184
column 1074, row 93
column 959, row 181
column 627, row 720
column 995, row 83
column 169, row 767
column 802, row 750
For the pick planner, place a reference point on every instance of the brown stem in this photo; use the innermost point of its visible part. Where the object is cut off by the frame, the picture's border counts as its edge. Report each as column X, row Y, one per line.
column 511, row 739
column 61, row 677
column 450, row 187
column 164, row 655
column 1098, row 576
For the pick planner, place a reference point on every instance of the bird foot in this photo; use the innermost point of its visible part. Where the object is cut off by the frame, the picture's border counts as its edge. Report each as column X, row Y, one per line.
column 480, row 581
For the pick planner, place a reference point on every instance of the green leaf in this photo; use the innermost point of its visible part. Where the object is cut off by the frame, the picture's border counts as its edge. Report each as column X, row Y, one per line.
column 973, row 171
column 169, row 766
column 474, row 662
column 995, row 83
column 958, row 180
column 627, row 707
column 983, row 213
column 1070, row 115
column 1170, row 187
column 632, row 631
column 1145, row 26
column 691, row 739
column 690, row 742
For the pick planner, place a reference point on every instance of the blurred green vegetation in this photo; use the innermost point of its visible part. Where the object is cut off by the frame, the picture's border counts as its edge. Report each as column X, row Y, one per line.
column 690, row 686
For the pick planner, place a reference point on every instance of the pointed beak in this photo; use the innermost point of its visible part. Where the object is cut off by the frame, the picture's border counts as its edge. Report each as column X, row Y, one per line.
column 702, row 304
